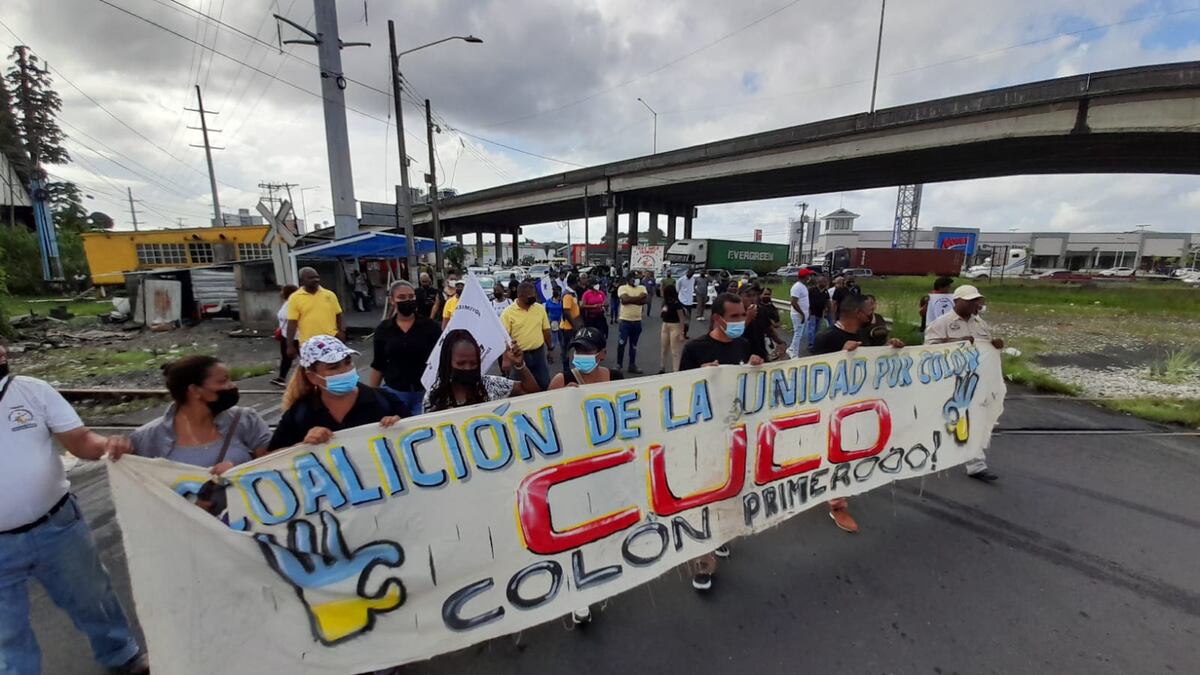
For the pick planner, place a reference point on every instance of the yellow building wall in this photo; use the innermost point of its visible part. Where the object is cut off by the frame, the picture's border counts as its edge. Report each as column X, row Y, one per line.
column 111, row 254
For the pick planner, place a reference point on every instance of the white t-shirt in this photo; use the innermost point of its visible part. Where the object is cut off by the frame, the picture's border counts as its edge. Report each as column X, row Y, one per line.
column 281, row 315
column 501, row 305
column 800, row 293
column 687, row 291
column 32, row 478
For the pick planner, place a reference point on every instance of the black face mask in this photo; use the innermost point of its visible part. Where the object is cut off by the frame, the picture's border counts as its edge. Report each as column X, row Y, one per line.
column 226, row 399
column 406, row 307
column 465, row 378
column 3, row 370
column 528, row 302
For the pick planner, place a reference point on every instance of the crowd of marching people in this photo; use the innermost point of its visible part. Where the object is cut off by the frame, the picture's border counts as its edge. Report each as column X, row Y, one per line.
column 43, row 535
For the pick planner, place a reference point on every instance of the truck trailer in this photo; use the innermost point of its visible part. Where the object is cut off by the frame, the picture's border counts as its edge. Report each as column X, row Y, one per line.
column 896, row 261
column 727, row 254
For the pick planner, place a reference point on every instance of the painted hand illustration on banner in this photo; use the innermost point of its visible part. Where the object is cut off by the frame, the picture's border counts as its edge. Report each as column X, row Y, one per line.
column 331, row 582
column 956, row 410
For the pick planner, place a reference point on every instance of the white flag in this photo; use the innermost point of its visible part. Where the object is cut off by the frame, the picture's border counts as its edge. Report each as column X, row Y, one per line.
column 474, row 314
column 546, row 287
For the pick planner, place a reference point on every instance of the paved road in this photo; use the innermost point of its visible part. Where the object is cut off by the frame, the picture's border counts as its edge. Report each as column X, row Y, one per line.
column 1080, row 559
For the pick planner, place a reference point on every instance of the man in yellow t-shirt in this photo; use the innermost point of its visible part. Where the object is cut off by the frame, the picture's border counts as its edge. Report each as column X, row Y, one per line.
column 312, row 310
column 632, row 296
column 529, row 326
column 569, row 323
column 452, row 303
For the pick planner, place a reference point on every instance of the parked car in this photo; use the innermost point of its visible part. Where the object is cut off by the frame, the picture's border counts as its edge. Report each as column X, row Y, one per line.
column 788, row 271
column 1116, row 272
column 488, row 284
column 857, row 272
column 538, row 271
column 1062, row 276
column 1184, row 272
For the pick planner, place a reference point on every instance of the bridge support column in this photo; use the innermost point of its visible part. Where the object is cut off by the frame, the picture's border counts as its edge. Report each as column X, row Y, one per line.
column 610, row 221
column 687, row 222
column 478, row 247
column 671, row 218
column 634, row 225
column 516, row 246
column 653, row 229
column 499, row 250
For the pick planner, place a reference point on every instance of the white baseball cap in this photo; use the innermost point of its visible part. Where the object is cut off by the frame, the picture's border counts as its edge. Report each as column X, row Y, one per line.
column 967, row 292
column 324, row 348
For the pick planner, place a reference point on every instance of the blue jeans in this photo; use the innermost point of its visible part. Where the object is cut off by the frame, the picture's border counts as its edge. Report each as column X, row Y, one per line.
column 564, row 341
column 60, row 554
column 535, row 361
column 630, row 333
column 814, row 325
column 412, row 399
column 614, row 307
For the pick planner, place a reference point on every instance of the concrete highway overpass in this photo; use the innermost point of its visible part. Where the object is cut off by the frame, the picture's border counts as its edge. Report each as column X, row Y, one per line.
column 1134, row 120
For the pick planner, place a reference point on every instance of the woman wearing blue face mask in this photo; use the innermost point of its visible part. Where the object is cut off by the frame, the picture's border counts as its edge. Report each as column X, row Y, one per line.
column 324, row 396
column 587, row 356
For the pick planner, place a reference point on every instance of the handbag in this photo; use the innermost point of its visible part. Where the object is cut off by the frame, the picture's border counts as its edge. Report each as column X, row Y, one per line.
column 211, row 496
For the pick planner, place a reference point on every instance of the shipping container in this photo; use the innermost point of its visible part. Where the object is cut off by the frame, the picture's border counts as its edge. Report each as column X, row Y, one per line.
column 726, row 254
column 897, row 261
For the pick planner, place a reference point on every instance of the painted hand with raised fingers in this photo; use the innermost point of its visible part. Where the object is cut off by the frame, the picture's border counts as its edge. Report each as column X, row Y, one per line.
column 332, row 581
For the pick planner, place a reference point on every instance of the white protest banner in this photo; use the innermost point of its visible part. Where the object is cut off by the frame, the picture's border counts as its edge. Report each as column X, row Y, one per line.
column 646, row 258
column 392, row 545
column 545, row 288
column 939, row 304
column 475, row 314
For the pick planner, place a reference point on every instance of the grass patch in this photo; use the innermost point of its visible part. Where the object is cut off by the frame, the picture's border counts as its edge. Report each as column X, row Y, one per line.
column 1017, row 369
column 1185, row 411
column 17, row 306
column 1020, row 296
column 252, row 370
column 82, row 363
column 1178, row 367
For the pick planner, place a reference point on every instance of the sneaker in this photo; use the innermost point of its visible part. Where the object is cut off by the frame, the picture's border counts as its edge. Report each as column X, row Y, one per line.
column 662, row 371
column 138, row 665
column 722, row 552
column 581, row 616
column 986, row 476
column 635, row 370
column 278, row 382
column 843, row 519
column 702, row 581
column 700, row 318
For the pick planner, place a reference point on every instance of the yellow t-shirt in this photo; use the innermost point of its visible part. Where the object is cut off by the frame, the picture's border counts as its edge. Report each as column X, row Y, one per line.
column 525, row 326
column 631, row 312
column 314, row 313
column 451, row 305
column 570, row 311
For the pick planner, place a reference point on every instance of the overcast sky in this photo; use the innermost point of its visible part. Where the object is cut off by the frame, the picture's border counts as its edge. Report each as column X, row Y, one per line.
column 560, row 79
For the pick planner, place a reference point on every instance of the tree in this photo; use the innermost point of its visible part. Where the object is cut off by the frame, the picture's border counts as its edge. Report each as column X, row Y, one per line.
column 36, row 106
column 455, row 257
column 11, row 145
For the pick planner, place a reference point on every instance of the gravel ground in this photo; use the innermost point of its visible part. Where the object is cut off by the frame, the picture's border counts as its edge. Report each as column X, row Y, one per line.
column 1123, row 383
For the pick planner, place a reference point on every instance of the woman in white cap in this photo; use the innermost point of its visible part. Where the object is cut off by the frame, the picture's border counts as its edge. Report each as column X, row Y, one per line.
column 325, row 396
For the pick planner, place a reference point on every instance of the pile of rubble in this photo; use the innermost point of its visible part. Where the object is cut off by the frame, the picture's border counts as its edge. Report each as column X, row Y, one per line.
column 45, row 332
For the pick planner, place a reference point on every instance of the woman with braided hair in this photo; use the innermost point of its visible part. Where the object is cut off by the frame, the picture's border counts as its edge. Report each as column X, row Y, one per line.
column 461, row 382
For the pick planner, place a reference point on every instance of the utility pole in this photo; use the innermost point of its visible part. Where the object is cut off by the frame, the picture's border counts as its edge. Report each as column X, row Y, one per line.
column 218, row 221
column 333, row 93
column 403, row 193
column 132, row 212
column 878, row 51
column 47, row 235
column 586, row 239
column 431, row 178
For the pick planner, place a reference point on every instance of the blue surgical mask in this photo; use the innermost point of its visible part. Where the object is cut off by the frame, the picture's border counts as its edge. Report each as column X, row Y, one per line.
column 584, row 363
column 734, row 329
column 342, row 383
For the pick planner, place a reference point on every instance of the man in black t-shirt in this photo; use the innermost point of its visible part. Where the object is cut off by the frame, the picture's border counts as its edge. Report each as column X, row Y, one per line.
column 855, row 314
column 722, row 345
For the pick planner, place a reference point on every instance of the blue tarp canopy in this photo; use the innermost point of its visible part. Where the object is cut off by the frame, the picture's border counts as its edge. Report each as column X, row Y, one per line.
column 368, row 245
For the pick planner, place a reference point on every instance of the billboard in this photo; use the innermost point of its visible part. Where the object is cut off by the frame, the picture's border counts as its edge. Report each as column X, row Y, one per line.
column 957, row 240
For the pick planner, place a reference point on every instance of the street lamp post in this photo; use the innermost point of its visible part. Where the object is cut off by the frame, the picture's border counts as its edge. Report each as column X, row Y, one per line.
column 654, row 146
column 304, row 206
column 404, row 196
